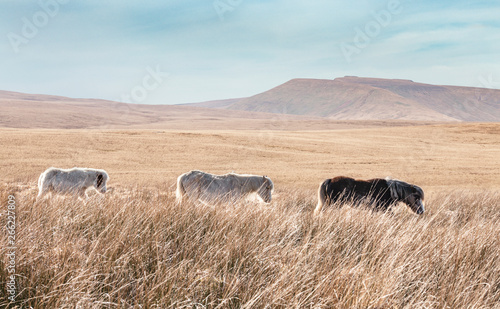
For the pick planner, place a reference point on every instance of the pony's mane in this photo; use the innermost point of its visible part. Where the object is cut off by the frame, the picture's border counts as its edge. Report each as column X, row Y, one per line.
column 242, row 175
column 398, row 188
column 249, row 177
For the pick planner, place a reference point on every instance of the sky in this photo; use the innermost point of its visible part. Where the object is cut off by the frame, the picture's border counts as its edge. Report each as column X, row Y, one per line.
column 185, row 51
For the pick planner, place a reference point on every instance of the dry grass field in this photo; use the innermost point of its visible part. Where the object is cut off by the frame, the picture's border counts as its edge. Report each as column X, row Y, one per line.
column 135, row 248
column 451, row 156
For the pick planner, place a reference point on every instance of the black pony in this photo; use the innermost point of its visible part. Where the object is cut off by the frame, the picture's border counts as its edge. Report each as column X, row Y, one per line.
column 381, row 194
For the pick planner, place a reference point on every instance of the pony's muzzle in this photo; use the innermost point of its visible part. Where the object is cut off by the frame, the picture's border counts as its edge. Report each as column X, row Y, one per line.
column 420, row 207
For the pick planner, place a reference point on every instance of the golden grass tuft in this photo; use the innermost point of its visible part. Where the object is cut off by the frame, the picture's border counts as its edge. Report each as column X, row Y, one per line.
column 137, row 248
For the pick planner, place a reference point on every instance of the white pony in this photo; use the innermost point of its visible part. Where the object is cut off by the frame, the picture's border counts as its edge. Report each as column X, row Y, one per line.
column 205, row 187
column 73, row 181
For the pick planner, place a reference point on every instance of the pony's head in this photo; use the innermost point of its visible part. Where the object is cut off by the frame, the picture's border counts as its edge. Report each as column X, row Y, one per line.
column 411, row 195
column 415, row 200
column 100, row 181
column 266, row 189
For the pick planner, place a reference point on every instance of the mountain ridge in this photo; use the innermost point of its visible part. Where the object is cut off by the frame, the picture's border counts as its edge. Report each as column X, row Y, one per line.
column 359, row 98
column 40, row 111
column 298, row 103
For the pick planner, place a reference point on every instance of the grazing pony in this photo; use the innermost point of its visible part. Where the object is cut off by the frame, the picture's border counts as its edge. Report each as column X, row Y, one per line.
column 73, row 181
column 382, row 194
column 205, row 187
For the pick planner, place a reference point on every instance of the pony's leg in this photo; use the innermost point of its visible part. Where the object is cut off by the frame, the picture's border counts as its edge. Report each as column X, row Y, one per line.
column 180, row 196
column 180, row 199
column 82, row 195
column 42, row 197
column 42, row 194
column 44, row 189
column 318, row 208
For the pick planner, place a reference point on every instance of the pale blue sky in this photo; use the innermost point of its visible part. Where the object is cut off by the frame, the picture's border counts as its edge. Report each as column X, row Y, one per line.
column 206, row 50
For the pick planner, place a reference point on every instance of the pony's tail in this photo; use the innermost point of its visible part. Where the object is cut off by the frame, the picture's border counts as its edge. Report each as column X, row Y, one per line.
column 322, row 196
column 41, row 180
column 180, row 192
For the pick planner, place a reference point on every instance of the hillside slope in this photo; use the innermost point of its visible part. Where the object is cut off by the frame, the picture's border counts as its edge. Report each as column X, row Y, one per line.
column 357, row 98
column 36, row 111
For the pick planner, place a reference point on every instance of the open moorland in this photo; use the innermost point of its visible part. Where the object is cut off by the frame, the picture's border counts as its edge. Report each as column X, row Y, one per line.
column 450, row 156
column 135, row 248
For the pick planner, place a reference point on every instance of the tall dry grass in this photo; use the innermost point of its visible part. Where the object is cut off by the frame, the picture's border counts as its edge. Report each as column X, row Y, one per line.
column 135, row 248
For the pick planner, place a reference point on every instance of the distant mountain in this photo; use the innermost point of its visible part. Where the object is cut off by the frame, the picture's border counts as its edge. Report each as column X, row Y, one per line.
column 355, row 98
column 298, row 103
column 38, row 111
column 214, row 104
column 22, row 110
